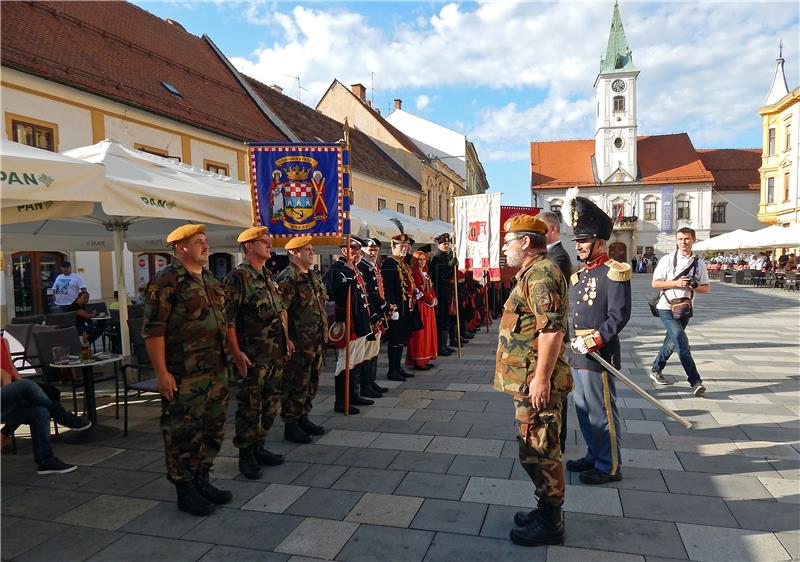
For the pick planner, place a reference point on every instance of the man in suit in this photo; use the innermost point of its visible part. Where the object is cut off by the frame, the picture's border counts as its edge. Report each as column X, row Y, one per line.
column 559, row 255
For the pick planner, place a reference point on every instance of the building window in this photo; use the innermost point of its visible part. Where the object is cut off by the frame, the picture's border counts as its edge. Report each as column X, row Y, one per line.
column 555, row 207
column 33, row 132
column 771, row 142
column 441, row 208
column 412, row 210
column 650, row 209
column 381, row 203
column 216, row 167
column 770, row 190
column 788, row 137
column 619, row 103
column 786, row 186
column 718, row 212
column 619, row 143
column 682, row 208
column 618, row 210
column 401, row 208
column 428, row 210
column 155, row 151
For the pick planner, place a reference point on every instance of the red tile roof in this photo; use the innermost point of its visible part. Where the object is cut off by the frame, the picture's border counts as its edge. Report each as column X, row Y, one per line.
column 662, row 159
column 734, row 169
column 119, row 51
column 312, row 126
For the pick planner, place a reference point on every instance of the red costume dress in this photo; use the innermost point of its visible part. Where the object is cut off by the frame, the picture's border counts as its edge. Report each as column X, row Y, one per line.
column 422, row 344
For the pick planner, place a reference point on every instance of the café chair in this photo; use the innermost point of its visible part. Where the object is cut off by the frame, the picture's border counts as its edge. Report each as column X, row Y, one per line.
column 60, row 319
column 137, row 363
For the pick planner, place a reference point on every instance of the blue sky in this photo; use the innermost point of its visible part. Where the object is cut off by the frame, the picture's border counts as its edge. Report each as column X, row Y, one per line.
column 507, row 73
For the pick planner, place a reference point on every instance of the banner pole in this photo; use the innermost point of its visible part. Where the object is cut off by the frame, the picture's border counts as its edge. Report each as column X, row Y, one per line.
column 348, row 310
column 249, row 171
column 451, row 193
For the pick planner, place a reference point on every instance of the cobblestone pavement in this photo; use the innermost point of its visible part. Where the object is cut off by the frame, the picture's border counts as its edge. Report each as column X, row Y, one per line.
column 430, row 471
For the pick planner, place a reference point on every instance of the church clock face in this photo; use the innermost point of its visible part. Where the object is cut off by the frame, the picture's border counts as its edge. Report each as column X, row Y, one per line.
column 618, row 86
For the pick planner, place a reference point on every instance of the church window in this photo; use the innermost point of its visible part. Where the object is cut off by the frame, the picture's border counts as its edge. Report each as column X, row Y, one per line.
column 650, row 210
column 682, row 208
column 619, row 103
column 718, row 212
column 771, row 143
column 770, row 190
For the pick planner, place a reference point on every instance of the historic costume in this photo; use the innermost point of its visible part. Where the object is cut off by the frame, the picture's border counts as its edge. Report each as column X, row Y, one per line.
column 398, row 284
column 379, row 308
column 441, row 272
column 422, row 343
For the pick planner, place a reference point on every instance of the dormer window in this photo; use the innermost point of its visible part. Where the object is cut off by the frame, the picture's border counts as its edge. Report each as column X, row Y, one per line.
column 619, row 103
column 171, row 89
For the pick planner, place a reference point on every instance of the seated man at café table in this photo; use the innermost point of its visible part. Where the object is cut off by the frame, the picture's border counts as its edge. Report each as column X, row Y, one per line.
column 84, row 319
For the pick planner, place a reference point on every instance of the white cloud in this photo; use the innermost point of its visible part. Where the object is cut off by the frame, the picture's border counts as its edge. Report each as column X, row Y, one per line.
column 423, row 101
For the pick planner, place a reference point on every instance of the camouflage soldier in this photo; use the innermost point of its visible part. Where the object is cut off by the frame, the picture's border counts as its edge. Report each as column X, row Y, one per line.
column 306, row 300
column 531, row 366
column 259, row 343
column 185, row 335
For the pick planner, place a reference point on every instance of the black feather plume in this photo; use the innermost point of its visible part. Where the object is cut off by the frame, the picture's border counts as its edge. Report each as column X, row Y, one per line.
column 398, row 224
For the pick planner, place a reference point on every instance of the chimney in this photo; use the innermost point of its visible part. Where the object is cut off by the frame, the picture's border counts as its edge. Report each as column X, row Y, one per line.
column 359, row 90
column 277, row 88
column 378, row 110
column 398, row 104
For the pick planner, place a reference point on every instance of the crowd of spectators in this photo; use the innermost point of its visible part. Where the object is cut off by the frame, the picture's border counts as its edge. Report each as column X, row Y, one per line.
column 757, row 261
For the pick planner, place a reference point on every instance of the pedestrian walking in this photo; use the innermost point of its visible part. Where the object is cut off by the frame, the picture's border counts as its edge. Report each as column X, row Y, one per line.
column 185, row 333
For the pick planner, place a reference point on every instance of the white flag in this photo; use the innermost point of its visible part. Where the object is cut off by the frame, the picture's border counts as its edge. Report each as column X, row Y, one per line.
column 477, row 234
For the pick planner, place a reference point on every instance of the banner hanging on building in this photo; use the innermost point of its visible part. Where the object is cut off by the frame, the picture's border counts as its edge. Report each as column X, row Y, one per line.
column 477, row 233
column 667, row 211
column 300, row 189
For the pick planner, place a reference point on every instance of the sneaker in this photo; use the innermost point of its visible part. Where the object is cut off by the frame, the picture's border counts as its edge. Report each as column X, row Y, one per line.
column 658, row 378
column 55, row 466
column 698, row 389
column 75, row 423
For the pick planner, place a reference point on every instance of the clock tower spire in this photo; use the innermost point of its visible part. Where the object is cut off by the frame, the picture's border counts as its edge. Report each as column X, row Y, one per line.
column 615, row 87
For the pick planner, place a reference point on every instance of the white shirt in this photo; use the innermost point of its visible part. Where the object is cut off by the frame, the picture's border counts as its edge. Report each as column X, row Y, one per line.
column 666, row 272
column 66, row 289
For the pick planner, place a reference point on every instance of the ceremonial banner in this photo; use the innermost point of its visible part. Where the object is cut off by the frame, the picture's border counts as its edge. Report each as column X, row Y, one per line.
column 667, row 207
column 301, row 189
column 477, row 233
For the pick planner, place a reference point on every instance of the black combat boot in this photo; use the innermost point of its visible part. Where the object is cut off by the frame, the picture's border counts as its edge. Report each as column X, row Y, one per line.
column 522, row 518
column 394, row 363
column 339, row 390
column 365, row 381
column 293, row 432
column 248, row 465
column 373, row 376
column 310, row 427
column 191, row 500
column 210, row 492
column 355, row 397
column 265, row 457
column 545, row 527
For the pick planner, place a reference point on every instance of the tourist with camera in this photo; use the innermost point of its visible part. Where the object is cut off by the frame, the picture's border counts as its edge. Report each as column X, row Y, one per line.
column 679, row 275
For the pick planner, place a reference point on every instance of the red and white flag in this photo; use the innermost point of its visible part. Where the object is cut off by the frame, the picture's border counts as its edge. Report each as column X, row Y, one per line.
column 477, row 233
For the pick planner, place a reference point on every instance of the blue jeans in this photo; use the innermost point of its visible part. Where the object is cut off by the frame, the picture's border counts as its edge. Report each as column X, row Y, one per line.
column 24, row 402
column 676, row 339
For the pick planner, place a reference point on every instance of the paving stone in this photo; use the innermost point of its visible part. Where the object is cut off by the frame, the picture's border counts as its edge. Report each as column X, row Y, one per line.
column 719, row 543
column 458, row 405
column 649, row 427
column 314, row 453
column 107, row 512
column 77, row 543
column 320, row 538
column 326, row 504
column 633, row 479
column 499, row 492
column 382, row 509
column 433, row 415
column 726, row 486
column 414, row 403
column 681, row 508
column 135, row 548
column 505, row 431
column 444, row 395
column 247, row 529
column 450, row 516
column 352, row 423
column 32, row 503
column 20, row 535
column 765, row 515
column 346, row 438
column 491, row 467
column 399, row 426
column 483, row 417
column 321, row 475
column 282, row 473
column 569, row 554
column 640, row 458
column 499, row 520
column 424, row 484
column 466, row 446
column 84, row 455
column 163, row 520
column 132, row 459
column 275, row 498
column 447, row 547
column 624, row 534
column 370, row 458
column 785, row 491
column 390, row 413
column 791, row 542
column 634, row 440
column 592, row 499
column 422, row 462
column 401, row 442
column 767, row 450
column 726, row 464
column 369, row 480
column 451, row 429
column 119, row 482
column 387, row 544
column 228, row 553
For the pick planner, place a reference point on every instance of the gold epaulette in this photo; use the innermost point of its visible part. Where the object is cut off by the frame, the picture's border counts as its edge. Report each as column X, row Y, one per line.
column 575, row 277
column 618, row 271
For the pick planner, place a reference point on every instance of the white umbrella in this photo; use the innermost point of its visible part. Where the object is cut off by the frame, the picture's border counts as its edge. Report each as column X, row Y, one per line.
column 727, row 241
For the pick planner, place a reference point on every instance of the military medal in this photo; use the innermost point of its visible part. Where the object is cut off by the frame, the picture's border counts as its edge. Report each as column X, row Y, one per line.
column 585, row 297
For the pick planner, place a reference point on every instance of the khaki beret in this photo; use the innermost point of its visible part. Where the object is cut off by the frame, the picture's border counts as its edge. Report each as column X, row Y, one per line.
column 252, row 233
column 185, row 231
column 298, row 242
column 525, row 223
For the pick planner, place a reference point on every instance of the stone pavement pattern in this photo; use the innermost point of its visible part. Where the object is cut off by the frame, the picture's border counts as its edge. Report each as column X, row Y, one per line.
column 430, row 472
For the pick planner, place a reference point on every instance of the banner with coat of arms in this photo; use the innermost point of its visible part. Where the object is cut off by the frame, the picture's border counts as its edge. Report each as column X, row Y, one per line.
column 477, row 234
column 300, row 189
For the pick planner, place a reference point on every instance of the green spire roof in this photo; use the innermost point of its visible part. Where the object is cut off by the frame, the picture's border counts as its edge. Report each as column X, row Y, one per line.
column 618, row 56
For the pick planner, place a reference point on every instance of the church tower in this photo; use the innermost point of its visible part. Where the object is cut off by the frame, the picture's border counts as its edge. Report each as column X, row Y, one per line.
column 615, row 132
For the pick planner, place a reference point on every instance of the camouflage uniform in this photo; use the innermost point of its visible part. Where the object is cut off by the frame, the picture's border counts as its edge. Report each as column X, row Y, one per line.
column 188, row 311
column 305, row 300
column 538, row 302
column 253, row 306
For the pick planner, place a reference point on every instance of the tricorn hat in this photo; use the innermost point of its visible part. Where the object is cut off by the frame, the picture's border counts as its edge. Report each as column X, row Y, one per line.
column 443, row 238
column 586, row 219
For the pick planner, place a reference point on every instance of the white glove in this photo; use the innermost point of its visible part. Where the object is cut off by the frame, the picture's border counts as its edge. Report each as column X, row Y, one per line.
column 578, row 345
column 418, row 294
column 394, row 315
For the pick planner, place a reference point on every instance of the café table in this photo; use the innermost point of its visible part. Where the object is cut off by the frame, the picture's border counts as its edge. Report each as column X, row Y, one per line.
column 96, row 432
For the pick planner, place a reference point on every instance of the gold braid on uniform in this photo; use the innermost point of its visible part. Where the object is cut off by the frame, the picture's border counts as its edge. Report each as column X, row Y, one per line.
column 618, row 271
column 406, row 277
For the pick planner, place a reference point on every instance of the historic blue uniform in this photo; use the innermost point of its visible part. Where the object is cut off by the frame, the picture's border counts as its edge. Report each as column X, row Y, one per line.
column 602, row 308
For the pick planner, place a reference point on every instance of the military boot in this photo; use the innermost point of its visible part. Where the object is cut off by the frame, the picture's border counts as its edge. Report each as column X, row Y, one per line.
column 545, row 527
column 210, row 492
column 265, row 457
column 355, row 397
column 400, row 369
column 443, row 350
column 248, row 465
column 191, row 500
column 310, row 427
column 339, row 390
column 394, row 362
column 365, row 381
column 373, row 376
column 293, row 432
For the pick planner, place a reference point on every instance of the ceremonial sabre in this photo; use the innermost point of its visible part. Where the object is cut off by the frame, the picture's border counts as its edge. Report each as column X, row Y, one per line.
column 639, row 390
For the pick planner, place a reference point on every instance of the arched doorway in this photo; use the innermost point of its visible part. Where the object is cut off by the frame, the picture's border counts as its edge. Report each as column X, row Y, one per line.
column 34, row 274
column 618, row 251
